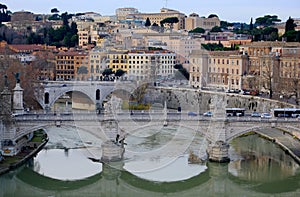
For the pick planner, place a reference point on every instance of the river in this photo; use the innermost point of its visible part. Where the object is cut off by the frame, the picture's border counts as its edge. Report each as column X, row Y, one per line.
column 151, row 167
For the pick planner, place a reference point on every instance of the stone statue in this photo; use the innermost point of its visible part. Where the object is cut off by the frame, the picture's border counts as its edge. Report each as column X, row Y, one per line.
column 17, row 76
column 5, row 81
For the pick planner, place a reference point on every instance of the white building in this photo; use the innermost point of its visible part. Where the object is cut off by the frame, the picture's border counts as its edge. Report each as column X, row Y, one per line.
column 151, row 65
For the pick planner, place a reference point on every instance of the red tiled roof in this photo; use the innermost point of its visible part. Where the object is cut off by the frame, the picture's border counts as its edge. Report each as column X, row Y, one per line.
column 26, row 47
column 72, row 53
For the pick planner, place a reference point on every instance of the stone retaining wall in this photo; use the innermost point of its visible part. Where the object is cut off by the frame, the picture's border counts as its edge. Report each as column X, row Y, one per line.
column 199, row 101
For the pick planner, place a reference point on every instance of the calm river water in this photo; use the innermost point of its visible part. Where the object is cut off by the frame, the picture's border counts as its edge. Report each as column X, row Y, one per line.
column 63, row 168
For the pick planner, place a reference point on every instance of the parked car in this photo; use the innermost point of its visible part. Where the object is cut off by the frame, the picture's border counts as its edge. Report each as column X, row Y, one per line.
column 255, row 114
column 296, row 115
column 266, row 115
column 207, row 113
column 192, row 113
column 229, row 114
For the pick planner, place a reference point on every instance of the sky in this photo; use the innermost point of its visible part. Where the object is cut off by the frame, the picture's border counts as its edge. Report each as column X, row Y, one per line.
column 230, row 10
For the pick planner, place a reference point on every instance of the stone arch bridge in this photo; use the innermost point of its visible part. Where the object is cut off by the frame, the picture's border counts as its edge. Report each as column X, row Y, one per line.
column 97, row 92
column 217, row 131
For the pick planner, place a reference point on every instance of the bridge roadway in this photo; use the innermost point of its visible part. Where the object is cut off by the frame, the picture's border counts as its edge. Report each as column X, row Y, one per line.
column 154, row 115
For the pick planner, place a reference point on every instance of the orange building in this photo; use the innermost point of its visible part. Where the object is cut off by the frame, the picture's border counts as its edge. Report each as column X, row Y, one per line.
column 72, row 65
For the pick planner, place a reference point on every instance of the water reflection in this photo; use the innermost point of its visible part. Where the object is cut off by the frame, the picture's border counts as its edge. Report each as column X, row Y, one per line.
column 258, row 168
column 260, row 160
column 65, row 165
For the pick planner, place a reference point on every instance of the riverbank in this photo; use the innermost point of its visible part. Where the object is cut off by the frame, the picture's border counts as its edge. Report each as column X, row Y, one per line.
column 11, row 163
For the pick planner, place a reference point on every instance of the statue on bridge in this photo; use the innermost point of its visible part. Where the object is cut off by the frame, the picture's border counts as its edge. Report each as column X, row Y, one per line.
column 5, row 81
column 17, row 77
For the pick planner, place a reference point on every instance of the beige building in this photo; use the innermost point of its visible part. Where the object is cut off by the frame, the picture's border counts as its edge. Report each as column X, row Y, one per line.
column 97, row 63
column 89, row 35
column 275, row 63
column 217, row 69
column 122, row 13
column 164, row 13
column 194, row 21
column 183, row 46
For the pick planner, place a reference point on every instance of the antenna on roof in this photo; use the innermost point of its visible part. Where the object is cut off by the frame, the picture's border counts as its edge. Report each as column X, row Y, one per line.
column 166, row 3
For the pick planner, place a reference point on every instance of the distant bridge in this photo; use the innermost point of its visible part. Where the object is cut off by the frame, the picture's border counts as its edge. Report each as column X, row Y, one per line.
column 51, row 91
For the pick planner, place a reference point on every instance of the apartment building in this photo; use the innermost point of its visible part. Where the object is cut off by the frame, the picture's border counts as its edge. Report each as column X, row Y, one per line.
column 194, row 21
column 97, row 63
column 88, row 36
column 151, row 64
column 273, row 63
column 183, row 46
column 221, row 70
column 117, row 59
column 72, row 65
column 164, row 13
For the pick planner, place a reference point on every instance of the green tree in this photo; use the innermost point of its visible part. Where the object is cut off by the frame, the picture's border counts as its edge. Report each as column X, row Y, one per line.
column 74, row 40
column 170, row 21
column 267, row 20
column 119, row 73
column 181, row 72
column 270, row 33
column 197, row 30
column 74, row 29
column 107, row 72
column 212, row 16
column 290, row 34
column 4, row 16
column 251, row 25
column 147, row 23
column 54, row 10
column 65, row 17
column 67, row 39
column 289, row 25
column 216, row 29
column 178, row 66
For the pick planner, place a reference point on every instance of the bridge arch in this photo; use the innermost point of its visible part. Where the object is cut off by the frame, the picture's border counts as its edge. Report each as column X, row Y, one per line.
column 242, row 132
column 96, row 93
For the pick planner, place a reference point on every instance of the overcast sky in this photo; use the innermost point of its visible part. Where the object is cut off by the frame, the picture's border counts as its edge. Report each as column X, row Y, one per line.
column 231, row 10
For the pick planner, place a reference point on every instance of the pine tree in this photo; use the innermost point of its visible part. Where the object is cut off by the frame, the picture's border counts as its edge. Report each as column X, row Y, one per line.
column 251, row 25
column 289, row 25
column 148, row 23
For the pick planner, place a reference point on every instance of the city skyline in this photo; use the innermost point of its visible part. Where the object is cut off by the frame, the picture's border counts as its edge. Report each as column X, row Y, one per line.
column 233, row 11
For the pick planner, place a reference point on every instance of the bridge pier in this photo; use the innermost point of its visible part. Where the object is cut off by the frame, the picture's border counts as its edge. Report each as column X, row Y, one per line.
column 218, row 152
column 112, row 152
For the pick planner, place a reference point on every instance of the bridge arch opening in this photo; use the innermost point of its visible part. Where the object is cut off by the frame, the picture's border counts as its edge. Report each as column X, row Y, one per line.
column 97, row 95
column 47, row 98
column 73, row 100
